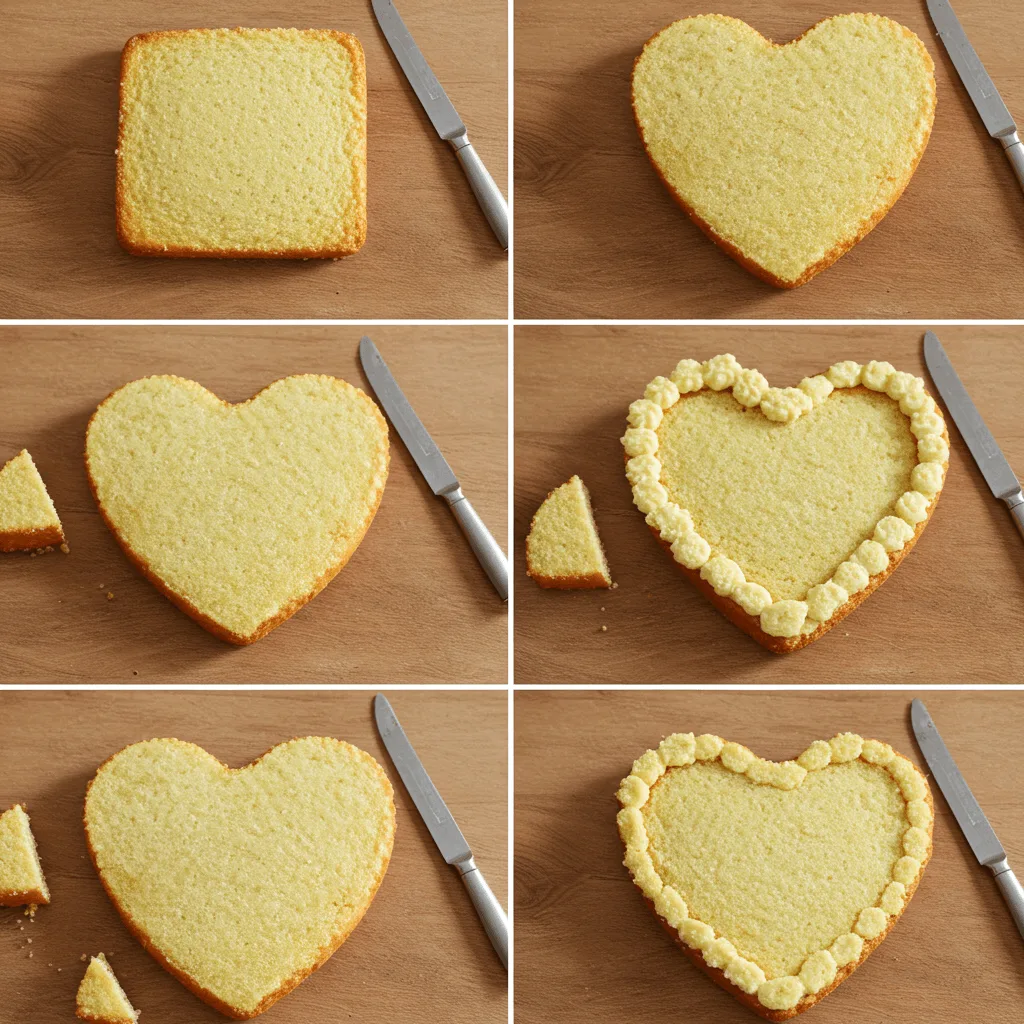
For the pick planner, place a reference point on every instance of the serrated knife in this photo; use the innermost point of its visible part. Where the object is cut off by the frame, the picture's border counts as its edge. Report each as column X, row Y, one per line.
column 443, row 116
column 431, row 463
column 984, row 95
column 441, row 825
column 969, row 815
column 1001, row 479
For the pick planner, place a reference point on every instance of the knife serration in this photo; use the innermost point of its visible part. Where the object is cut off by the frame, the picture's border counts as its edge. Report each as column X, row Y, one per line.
column 433, row 810
column 443, row 115
column 998, row 474
column 425, row 453
column 985, row 96
column 968, row 813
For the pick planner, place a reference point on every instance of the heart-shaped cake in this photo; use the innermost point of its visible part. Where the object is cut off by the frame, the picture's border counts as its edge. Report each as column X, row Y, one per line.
column 241, row 882
column 786, row 507
column 785, row 156
column 240, row 514
column 776, row 879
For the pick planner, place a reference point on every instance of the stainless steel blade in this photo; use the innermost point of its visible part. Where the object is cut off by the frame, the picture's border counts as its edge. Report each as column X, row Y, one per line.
column 425, row 453
column 969, row 815
column 1000, row 478
column 979, row 86
column 435, row 814
column 429, row 92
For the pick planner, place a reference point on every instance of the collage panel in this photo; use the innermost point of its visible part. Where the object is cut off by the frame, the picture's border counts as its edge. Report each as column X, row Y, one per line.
column 768, row 866
column 260, row 130
column 239, row 515
column 630, row 124
column 779, row 470
column 196, row 874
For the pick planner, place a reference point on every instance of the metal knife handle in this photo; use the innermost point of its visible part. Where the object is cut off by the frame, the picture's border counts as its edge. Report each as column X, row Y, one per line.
column 1015, row 503
column 488, row 195
column 484, row 546
column 1011, row 891
column 1015, row 154
column 486, row 904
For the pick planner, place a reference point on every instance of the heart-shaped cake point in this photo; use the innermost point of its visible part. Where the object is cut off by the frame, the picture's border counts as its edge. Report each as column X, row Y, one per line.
column 240, row 514
column 777, row 879
column 241, row 882
column 785, row 156
column 786, row 507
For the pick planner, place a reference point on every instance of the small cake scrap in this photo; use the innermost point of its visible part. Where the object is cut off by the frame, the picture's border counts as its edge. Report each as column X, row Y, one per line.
column 28, row 520
column 563, row 549
column 100, row 996
column 21, row 874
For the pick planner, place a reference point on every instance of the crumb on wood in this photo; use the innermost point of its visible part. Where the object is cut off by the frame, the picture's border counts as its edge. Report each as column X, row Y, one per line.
column 64, row 547
column 110, row 595
column 604, row 629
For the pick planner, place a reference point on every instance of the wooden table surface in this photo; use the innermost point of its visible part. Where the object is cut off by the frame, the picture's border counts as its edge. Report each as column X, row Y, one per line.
column 413, row 605
column 429, row 252
column 949, row 614
column 588, row 949
column 599, row 236
column 419, row 955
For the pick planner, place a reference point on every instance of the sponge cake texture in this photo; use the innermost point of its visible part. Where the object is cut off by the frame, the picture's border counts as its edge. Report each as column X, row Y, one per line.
column 100, row 998
column 785, row 156
column 21, row 875
column 242, row 143
column 28, row 519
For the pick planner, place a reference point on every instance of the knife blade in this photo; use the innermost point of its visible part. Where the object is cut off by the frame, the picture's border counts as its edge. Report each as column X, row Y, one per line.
column 433, row 465
column 441, row 825
column 1000, row 477
column 981, row 89
column 969, row 816
column 443, row 116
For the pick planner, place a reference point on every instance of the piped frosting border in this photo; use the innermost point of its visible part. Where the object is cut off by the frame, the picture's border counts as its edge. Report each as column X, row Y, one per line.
column 820, row 969
column 675, row 526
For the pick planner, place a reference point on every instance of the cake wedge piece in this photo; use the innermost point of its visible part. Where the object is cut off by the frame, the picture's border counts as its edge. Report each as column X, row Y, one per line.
column 563, row 549
column 100, row 996
column 28, row 519
column 21, row 875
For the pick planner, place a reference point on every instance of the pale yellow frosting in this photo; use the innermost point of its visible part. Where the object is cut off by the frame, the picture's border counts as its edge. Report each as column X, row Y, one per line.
column 785, row 614
column 692, row 862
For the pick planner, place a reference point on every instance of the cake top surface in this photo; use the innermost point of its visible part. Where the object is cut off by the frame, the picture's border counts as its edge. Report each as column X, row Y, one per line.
column 238, row 508
column 779, row 873
column 244, row 879
column 243, row 139
column 20, row 871
column 785, row 150
column 746, row 481
column 563, row 539
column 24, row 501
column 100, row 996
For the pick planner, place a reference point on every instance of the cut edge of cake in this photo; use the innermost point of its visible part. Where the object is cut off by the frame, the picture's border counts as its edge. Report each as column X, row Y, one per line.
column 47, row 530
column 38, row 893
column 100, row 998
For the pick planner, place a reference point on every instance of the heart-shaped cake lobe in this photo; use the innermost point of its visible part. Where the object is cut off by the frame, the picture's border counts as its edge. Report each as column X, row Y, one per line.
column 777, row 879
column 240, row 514
column 241, row 882
column 785, row 156
column 786, row 507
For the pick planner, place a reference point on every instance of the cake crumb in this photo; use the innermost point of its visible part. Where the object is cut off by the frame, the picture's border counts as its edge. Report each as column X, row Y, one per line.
column 30, row 912
column 614, row 586
column 83, row 957
column 604, row 629
column 64, row 547
column 110, row 595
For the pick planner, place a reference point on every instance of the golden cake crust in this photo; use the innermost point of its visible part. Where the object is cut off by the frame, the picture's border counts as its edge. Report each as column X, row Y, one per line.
column 323, row 954
column 840, row 248
column 31, row 540
column 751, row 1000
column 133, row 239
column 187, row 606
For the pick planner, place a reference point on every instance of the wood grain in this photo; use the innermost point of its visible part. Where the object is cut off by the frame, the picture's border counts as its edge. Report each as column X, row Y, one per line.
column 413, row 604
column 598, row 235
column 418, row 956
column 949, row 614
column 429, row 252
column 588, row 949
